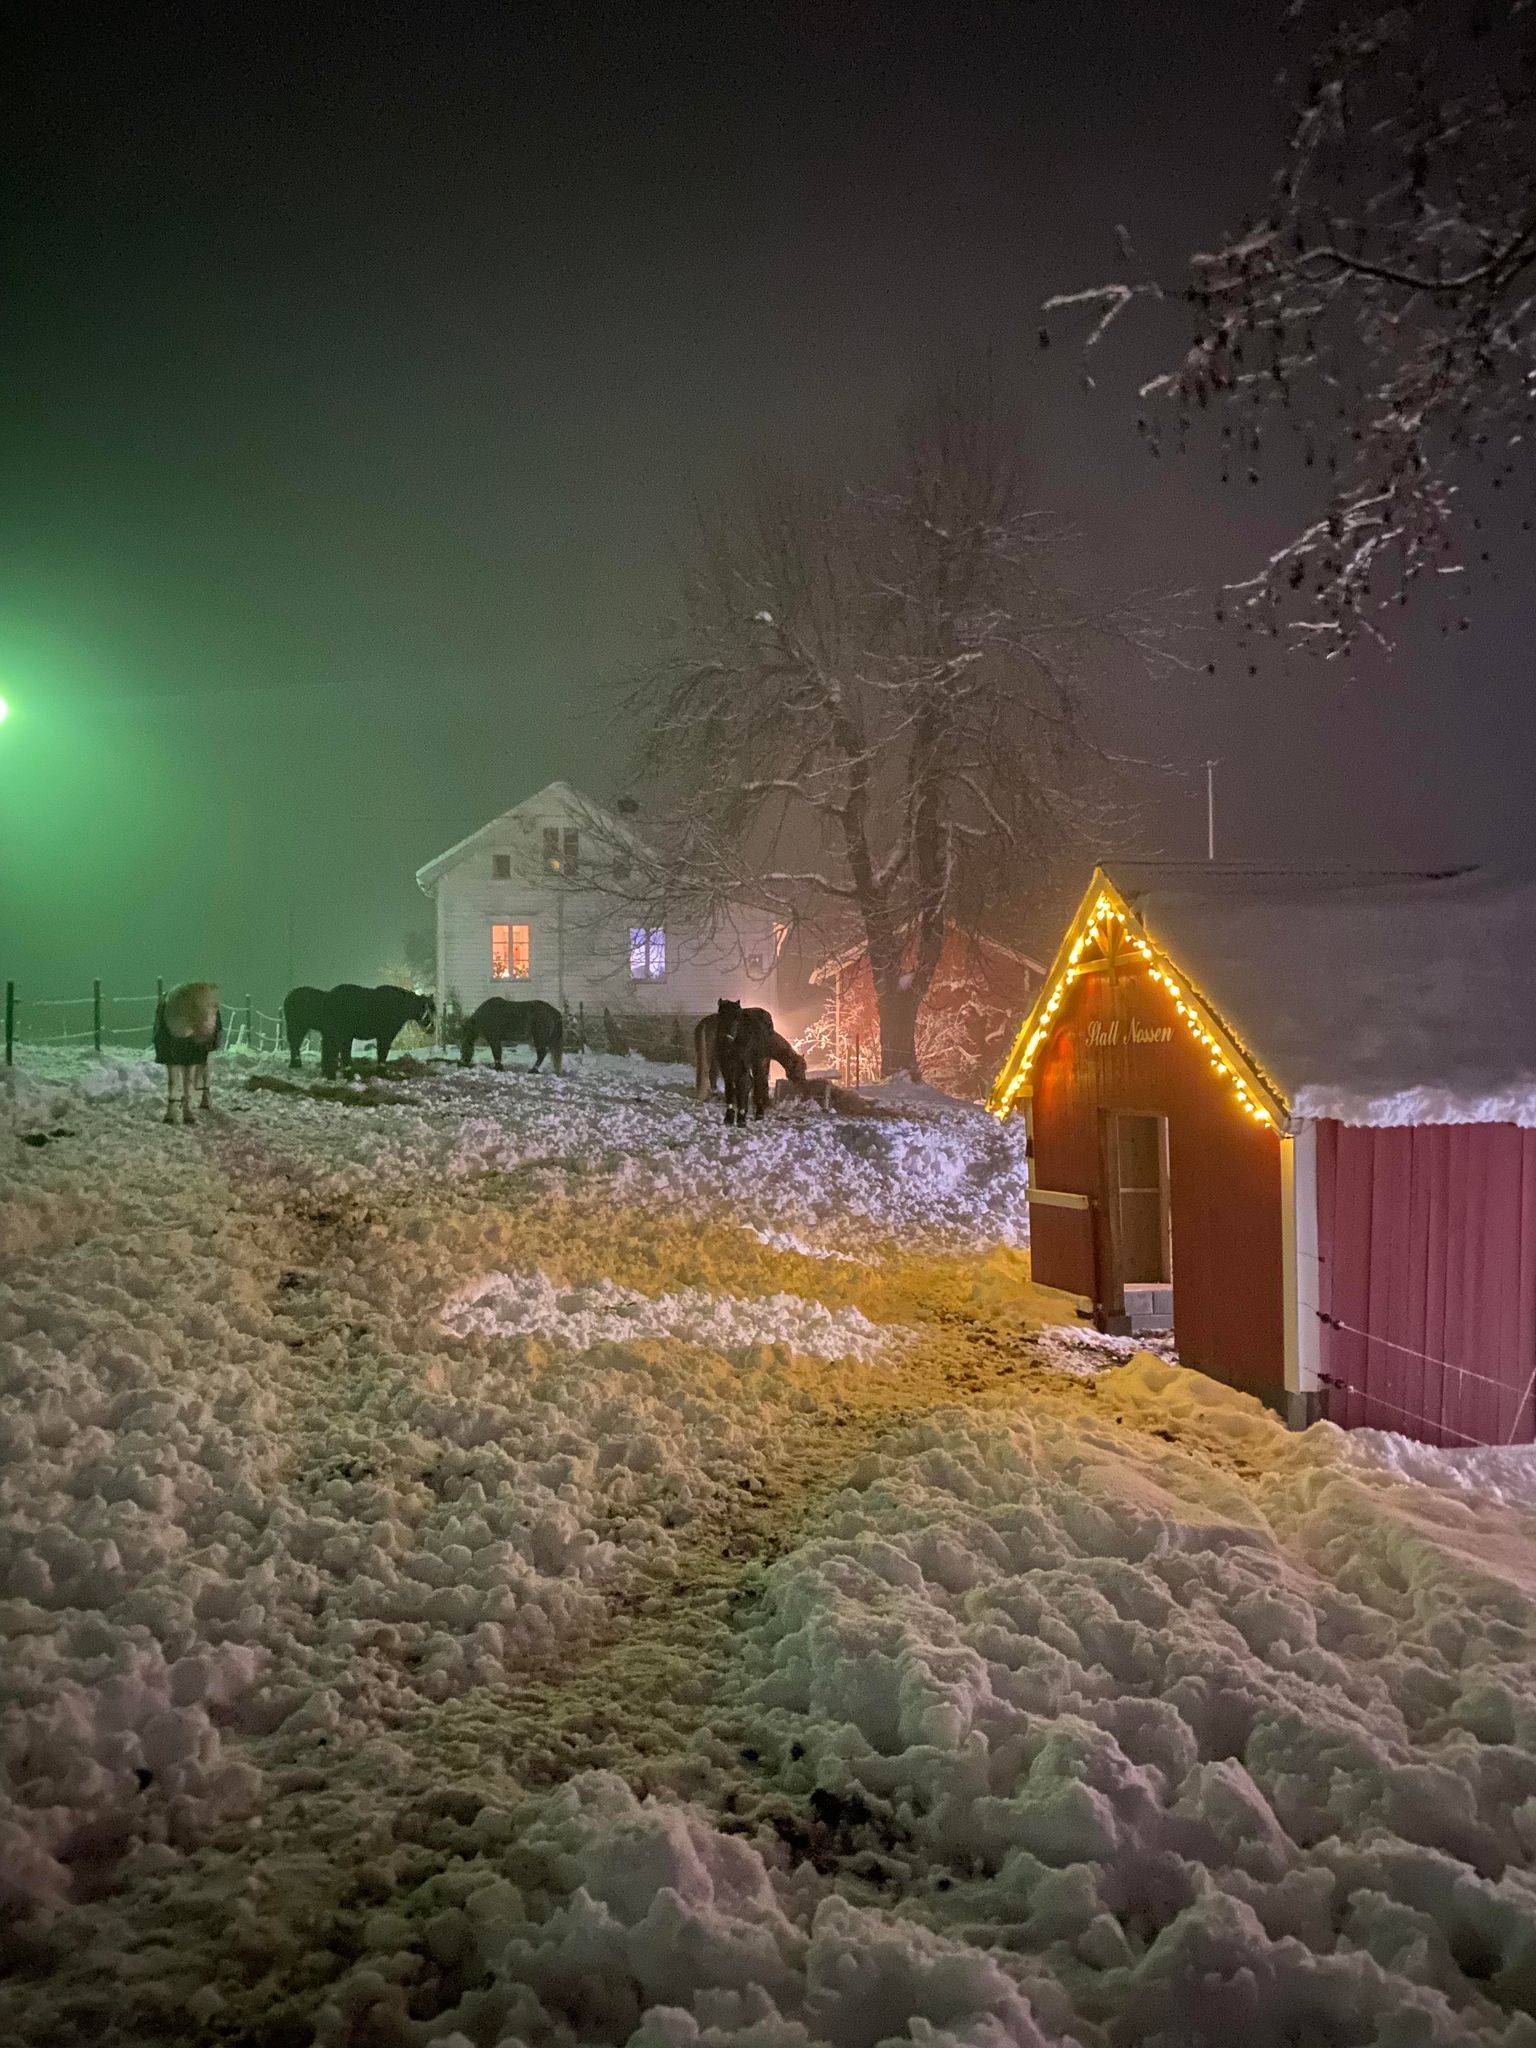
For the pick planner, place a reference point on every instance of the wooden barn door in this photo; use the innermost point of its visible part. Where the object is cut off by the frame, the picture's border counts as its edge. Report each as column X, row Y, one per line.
column 1136, row 1184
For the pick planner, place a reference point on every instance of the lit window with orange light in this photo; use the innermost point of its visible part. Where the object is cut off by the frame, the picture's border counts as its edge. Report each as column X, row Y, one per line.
column 510, row 952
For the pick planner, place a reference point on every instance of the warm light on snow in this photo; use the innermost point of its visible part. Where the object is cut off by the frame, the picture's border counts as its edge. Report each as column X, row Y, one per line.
column 666, row 1586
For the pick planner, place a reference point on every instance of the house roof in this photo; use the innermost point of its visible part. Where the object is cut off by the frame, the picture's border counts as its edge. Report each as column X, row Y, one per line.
column 1379, row 997
column 554, row 796
column 860, row 951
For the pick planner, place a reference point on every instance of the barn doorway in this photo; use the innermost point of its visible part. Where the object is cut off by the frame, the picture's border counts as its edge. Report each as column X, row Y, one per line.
column 1136, row 1178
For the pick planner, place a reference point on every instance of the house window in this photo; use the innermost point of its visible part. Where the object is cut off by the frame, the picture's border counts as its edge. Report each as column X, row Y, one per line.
column 570, row 848
column 501, row 867
column 551, row 849
column 509, row 952
column 755, row 966
column 647, row 953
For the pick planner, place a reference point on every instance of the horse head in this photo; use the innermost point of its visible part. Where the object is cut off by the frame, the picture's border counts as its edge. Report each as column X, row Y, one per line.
column 728, row 1020
column 426, row 1012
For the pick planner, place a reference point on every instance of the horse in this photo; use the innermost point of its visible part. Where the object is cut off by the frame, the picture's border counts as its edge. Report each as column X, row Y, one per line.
column 706, row 1057
column 348, row 1012
column 742, row 1040
column 706, row 1062
column 188, row 1026
column 500, row 1023
column 301, row 1015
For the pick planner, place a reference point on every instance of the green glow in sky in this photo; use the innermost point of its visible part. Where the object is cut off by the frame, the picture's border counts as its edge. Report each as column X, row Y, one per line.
column 5, row 711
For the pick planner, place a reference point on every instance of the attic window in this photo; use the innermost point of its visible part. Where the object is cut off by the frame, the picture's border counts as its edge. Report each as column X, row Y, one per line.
column 551, row 849
column 570, row 848
column 501, row 867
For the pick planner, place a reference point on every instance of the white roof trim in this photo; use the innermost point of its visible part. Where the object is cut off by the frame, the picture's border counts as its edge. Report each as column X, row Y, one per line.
column 552, row 794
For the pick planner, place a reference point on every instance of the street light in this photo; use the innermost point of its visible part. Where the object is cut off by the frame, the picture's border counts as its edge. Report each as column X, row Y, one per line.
column 5, row 711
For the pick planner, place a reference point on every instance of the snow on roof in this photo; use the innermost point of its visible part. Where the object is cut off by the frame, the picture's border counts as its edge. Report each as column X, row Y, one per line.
column 859, row 951
column 1372, row 997
column 554, row 796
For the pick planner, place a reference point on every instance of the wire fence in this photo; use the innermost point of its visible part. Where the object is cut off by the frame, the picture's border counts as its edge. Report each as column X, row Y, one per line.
column 111, row 1022
column 105, row 1022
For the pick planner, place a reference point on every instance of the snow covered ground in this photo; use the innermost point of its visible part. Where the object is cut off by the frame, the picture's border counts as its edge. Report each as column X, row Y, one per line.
column 513, row 1561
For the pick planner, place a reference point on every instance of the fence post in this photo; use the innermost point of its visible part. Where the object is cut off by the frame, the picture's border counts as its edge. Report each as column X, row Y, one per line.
column 96, row 1013
column 581, row 1027
column 10, row 1020
column 159, row 990
column 250, row 1023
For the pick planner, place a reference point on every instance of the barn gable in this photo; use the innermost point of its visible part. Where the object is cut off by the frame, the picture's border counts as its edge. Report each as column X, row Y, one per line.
column 1107, row 935
column 1377, row 998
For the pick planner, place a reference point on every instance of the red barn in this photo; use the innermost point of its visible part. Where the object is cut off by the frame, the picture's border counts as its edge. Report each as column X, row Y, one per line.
column 977, row 993
column 1304, row 1104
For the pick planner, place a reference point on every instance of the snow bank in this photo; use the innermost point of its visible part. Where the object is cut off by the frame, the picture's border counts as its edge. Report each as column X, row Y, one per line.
column 1054, row 1733
column 414, row 1634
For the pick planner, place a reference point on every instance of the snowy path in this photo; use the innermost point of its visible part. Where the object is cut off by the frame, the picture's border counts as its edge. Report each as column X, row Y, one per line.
column 437, row 1606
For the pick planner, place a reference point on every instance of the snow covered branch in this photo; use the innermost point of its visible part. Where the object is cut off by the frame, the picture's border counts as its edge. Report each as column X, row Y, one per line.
column 1381, row 311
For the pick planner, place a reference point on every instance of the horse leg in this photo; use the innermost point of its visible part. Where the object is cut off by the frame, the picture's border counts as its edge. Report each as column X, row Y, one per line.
column 170, row 1094
column 295, row 1044
column 495, row 1045
column 382, row 1044
column 760, row 1089
column 539, row 1051
column 202, row 1073
column 186, row 1096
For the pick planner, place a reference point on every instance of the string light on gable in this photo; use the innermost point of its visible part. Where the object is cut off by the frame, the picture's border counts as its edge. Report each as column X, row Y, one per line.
column 1106, row 917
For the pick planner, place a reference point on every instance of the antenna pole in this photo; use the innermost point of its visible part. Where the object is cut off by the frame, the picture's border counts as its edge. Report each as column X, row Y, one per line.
column 1210, row 809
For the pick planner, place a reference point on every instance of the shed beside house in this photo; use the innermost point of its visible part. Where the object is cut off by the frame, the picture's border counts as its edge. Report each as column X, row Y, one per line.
column 1305, row 1105
column 534, row 905
column 973, row 1002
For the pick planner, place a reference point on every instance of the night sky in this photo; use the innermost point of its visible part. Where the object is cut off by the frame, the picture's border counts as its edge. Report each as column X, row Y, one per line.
column 359, row 378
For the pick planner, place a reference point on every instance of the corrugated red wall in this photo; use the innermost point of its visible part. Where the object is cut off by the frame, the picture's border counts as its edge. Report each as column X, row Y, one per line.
column 1224, row 1174
column 1427, row 1244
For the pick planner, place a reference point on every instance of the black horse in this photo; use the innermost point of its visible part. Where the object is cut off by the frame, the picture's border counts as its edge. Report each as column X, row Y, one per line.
column 501, row 1023
column 743, row 1047
column 302, row 1009
column 348, row 1012
column 706, row 1057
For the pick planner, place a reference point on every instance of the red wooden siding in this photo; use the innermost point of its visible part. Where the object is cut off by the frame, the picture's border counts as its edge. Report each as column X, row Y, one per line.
column 1427, row 1243
column 1224, row 1174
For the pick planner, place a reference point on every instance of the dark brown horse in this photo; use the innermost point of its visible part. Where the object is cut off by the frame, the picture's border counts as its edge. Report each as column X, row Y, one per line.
column 743, row 1046
column 501, row 1023
column 706, row 1058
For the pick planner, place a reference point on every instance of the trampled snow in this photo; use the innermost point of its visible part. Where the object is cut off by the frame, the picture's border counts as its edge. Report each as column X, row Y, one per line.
column 476, row 1570
column 528, row 1304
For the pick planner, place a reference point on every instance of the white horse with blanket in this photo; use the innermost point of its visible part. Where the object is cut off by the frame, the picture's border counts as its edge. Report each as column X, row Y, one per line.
column 188, row 1027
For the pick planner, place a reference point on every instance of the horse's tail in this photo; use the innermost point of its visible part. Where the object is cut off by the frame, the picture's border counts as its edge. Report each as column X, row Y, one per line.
column 704, row 1069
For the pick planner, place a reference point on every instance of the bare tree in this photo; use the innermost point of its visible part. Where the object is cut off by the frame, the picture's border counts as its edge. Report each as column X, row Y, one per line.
column 870, row 713
column 1383, row 305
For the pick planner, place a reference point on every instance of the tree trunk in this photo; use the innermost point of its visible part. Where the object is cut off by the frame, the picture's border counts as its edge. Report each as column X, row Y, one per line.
column 898, row 1030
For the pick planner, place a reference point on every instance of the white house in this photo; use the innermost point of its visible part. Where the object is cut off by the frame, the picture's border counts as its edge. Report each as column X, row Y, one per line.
column 533, row 905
